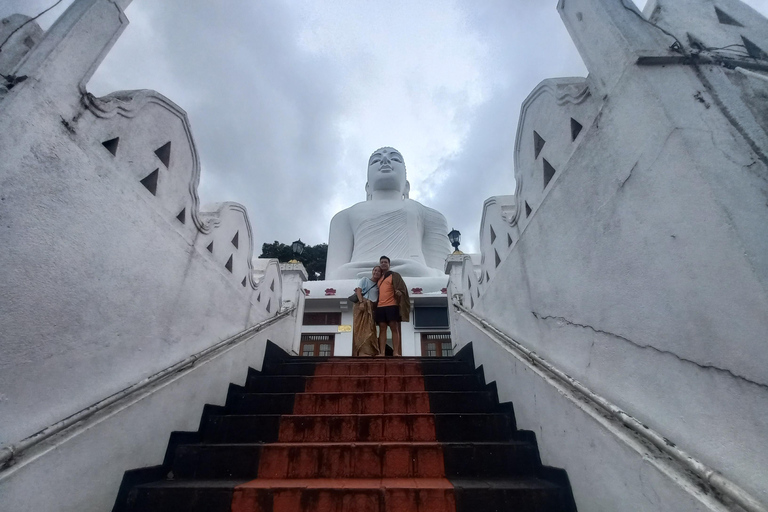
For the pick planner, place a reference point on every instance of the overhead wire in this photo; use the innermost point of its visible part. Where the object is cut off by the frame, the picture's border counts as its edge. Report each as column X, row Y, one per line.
column 25, row 23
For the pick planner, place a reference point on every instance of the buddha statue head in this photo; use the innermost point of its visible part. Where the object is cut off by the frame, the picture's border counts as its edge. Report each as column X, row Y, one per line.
column 386, row 175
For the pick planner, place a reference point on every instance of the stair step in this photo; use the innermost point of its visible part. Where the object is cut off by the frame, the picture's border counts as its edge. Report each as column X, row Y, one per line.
column 362, row 403
column 354, row 460
column 456, row 427
column 487, row 460
column 350, row 495
column 520, row 495
column 260, row 403
column 357, row 460
column 364, row 384
column 186, row 495
column 367, row 366
column 467, row 427
column 217, row 461
column 388, row 403
column 354, row 495
column 258, row 383
column 357, row 427
column 233, row 428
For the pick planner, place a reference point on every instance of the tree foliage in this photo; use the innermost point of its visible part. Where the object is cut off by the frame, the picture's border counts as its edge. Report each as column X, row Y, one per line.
column 313, row 257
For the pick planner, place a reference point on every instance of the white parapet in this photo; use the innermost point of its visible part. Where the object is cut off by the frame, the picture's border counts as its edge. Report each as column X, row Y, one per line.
column 641, row 265
column 112, row 273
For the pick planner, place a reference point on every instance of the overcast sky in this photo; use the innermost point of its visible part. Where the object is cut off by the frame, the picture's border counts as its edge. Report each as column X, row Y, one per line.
column 288, row 98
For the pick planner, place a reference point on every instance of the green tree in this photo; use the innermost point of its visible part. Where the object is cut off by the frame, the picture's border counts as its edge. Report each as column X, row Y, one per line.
column 313, row 257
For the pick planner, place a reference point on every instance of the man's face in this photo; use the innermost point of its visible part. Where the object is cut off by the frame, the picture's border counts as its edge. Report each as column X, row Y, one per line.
column 384, row 264
column 386, row 170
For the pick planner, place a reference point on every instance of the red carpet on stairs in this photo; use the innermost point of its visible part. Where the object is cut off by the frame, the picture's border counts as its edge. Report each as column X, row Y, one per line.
column 361, row 439
column 353, row 435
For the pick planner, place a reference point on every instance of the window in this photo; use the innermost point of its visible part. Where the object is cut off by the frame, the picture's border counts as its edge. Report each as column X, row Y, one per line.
column 317, row 345
column 322, row 319
column 430, row 317
column 436, row 344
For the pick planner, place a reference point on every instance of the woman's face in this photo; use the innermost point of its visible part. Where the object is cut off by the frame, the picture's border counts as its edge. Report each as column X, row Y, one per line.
column 376, row 274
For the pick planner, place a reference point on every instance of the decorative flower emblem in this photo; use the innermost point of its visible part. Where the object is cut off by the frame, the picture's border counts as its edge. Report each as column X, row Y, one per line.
column 444, row 290
column 306, row 291
column 416, row 291
column 330, row 291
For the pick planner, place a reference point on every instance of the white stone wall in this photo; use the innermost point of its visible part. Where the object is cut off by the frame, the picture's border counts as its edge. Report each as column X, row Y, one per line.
column 83, row 469
column 111, row 271
column 608, row 468
column 642, row 267
column 497, row 235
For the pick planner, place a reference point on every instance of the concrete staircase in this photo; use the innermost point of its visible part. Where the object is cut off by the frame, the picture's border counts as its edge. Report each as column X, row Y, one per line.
column 353, row 435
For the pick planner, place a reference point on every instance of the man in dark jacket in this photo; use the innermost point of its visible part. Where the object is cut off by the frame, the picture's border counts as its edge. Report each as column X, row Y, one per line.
column 394, row 307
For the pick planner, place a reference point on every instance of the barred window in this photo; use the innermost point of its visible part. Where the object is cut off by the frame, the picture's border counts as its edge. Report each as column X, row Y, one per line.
column 436, row 344
column 317, row 345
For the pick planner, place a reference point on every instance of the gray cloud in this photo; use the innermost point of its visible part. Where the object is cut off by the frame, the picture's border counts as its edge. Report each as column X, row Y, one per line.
column 288, row 98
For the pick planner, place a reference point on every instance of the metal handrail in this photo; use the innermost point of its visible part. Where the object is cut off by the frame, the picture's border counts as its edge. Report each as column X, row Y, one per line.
column 709, row 475
column 9, row 453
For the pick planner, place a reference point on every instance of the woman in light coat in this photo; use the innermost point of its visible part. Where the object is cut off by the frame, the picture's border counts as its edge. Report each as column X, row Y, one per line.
column 364, row 338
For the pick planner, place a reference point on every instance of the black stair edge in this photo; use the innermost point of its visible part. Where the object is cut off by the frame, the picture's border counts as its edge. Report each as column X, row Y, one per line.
column 448, row 428
column 488, row 495
column 217, row 461
column 484, row 460
column 466, row 354
column 480, row 375
column 267, row 429
column 559, row 477
column 193, row 496
column 234, row 389
column 136, row 477
column 273, row 356
column 260, row 383
column 527, row 436
column 133, row 478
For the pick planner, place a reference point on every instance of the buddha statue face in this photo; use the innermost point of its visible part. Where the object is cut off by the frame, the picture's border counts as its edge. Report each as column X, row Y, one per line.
column 386, row 171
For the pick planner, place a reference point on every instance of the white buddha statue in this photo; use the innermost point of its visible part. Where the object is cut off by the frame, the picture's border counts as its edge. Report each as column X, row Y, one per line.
column 389, row 224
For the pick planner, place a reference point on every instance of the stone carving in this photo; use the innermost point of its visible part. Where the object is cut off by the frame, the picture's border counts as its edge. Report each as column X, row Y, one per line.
column 387, row 223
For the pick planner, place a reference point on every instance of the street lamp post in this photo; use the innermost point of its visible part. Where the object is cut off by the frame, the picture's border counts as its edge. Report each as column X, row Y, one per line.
column 297, row 247
column 455, row 237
